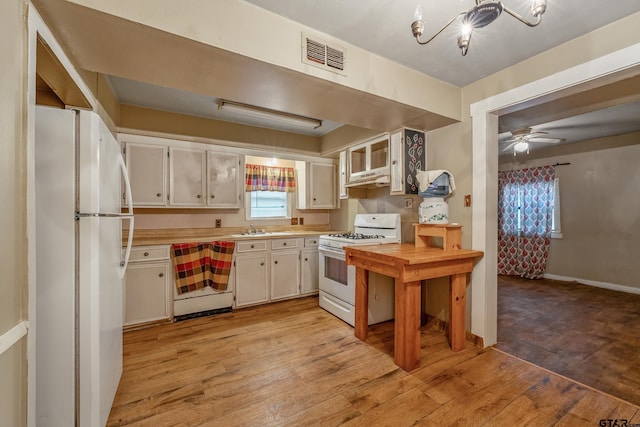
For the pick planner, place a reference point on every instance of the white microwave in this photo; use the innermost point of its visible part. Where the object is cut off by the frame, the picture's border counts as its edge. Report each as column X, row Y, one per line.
column 369, row 160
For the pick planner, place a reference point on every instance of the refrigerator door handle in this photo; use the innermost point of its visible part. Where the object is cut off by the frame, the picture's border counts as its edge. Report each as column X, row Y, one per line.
column 127, row 252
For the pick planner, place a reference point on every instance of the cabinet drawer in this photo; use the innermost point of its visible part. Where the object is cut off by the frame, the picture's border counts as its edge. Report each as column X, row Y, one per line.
column 149, row 253
column 311, row 242
column 252, row 246
column 284, row 243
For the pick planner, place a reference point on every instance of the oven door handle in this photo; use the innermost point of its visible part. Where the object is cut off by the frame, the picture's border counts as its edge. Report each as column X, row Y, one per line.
column 332, row 252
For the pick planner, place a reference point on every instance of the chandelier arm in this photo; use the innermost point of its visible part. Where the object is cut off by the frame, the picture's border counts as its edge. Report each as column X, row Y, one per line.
column 521, row 19
column 441, row 30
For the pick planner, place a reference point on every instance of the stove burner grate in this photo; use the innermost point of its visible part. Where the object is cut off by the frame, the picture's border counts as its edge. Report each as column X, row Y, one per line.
column 357, row 236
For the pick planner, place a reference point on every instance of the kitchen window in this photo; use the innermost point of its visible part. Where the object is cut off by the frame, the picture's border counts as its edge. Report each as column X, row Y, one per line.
column 270, row 190
column 267, row 204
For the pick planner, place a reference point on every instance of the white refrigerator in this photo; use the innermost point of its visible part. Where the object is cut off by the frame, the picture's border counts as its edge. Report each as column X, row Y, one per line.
column 80, row 267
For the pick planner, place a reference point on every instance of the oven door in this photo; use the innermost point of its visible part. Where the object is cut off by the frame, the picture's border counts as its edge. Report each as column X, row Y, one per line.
column 336, row 277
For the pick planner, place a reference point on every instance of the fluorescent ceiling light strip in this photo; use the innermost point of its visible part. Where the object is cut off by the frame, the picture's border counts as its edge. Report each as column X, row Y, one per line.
column 261, row 113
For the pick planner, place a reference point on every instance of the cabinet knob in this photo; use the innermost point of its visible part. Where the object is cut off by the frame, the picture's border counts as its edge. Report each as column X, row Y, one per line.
column 161, row 275
column 284, row 244
column 314, row 199
column 394, row 162
column 213, row 196
column 158, row 194
column 199, row 196
column 306, row 259
column 262, row 263
column 275, row 262
column 146, row 254
column 252, row 246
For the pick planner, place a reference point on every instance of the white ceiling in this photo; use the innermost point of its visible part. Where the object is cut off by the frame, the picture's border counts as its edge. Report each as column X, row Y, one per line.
column 384, row 28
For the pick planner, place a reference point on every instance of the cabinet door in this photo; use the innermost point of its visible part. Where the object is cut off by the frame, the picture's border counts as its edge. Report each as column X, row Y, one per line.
column 322, row 186
column 309, row 271
column 147, row 167
column 408, row 155
column 251, row 279
column 395, row 152
column 186, row 177
column 344, row 194
column 147, row 295
column 223, row 180
column 285, row 274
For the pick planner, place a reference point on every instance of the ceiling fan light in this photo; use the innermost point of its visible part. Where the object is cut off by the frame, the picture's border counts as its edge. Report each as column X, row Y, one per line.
column 538, row 7
column 521, row 147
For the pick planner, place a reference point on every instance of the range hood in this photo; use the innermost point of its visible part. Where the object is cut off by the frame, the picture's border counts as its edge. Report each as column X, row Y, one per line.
column 371, row 182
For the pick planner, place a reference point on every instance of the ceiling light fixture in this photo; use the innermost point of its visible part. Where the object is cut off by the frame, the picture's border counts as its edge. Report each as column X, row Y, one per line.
column 481, row 15
column 521, row 147
column 272, row 115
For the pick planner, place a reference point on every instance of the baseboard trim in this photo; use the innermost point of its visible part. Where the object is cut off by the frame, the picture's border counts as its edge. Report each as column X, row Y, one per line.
column 604, row 285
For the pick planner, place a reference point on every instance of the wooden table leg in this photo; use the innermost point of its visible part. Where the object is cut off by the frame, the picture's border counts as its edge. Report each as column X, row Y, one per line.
column 361, row 327
column 407, row 325
column 457, row 301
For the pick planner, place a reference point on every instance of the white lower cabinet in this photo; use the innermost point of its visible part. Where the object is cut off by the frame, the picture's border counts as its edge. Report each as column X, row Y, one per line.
column 309, row 261
column 148, row 286
column 309, row 279
column 285, row 274
column 252, row 272
column 271, row 270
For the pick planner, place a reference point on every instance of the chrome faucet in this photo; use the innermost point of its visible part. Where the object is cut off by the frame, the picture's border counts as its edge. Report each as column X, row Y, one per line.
column 255, row 230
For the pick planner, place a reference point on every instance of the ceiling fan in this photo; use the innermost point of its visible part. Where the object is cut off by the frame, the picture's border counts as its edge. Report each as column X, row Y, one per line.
column 521, row 138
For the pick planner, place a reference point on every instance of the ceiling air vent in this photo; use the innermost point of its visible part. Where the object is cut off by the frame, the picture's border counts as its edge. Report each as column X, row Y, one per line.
column 317, row 53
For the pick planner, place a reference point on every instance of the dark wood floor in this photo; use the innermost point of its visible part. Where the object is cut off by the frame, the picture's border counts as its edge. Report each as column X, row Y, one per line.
column 293, row 364
column 585, row 333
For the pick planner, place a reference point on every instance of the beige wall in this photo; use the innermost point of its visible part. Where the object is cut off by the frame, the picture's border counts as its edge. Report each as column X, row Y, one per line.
column 146, row 119
column 13, row 251
column 600, row 208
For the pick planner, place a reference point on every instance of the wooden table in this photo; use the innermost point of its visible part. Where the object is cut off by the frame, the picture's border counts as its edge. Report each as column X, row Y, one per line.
column 409, row 265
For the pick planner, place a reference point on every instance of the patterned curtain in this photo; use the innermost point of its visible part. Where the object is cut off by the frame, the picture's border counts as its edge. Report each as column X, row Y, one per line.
column 525, row 213
column 269, row 178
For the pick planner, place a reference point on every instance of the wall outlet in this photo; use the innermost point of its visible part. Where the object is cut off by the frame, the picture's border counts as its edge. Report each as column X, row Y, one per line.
column 218, row 223
column 408, row 203
column 294, row 221
column 467, row 200
column 301, row 221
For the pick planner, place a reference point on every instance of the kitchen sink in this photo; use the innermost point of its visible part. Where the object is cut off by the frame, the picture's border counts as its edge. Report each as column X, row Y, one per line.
column 263, row 234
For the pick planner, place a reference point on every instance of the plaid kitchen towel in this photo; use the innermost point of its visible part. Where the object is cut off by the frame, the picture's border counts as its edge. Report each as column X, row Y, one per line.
column 198, row 265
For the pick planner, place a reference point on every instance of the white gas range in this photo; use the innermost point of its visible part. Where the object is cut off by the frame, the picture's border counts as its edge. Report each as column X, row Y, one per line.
column 337, row 280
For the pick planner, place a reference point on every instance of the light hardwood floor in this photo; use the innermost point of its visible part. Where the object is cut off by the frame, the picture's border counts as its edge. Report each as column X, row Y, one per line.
column 293, row 364
column 589, row 334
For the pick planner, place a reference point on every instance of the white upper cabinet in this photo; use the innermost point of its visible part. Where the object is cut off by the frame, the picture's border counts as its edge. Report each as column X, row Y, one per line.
column 316, row 185
column 186, row 177
column 323, row 185
column 183, row 174
column 342, row 179
column 369, row 160
column 408, row 155
column 147, row 167
column 223, row 180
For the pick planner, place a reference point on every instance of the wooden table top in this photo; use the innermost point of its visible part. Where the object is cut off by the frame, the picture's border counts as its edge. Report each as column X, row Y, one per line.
column 408, row 254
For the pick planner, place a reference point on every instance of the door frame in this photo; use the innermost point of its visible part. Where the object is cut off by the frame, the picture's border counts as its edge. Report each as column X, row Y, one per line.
column 606, row 69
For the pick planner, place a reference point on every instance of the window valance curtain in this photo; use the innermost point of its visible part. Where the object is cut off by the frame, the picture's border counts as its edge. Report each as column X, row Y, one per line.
column 269, row 178
column 525, row 212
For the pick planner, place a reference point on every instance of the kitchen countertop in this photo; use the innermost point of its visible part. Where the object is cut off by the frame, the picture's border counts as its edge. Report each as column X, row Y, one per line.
column 143, row 237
